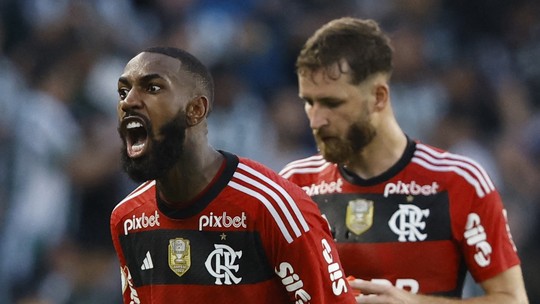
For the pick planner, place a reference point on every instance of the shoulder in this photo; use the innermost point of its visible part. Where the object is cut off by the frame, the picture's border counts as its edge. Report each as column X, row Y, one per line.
column 281, row 201
column 309, row 165
column 261, row 177
column 454, row 167
column 133, row 200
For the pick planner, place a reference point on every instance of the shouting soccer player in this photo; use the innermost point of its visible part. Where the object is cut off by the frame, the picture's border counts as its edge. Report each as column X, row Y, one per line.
column 207, row 226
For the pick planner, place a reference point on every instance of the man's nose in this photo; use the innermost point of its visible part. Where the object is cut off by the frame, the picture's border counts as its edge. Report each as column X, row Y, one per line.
column 317, row 117
column 133, row 100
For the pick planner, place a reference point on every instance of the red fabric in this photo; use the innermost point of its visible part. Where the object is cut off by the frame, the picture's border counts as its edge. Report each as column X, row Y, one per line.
column 287, row 230
column 455, row 190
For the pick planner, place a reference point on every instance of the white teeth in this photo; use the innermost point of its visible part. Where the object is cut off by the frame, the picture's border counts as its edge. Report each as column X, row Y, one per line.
column 138, row 147
column 134, row 124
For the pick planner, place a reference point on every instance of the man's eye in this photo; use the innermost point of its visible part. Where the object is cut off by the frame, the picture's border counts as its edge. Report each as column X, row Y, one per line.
column 122, row 92
column 307, row 101
column 333, row 105
column 153, row 88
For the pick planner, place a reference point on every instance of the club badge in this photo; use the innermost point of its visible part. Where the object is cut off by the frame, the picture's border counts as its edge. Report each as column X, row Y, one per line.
column 359, row 217
column 179, row 256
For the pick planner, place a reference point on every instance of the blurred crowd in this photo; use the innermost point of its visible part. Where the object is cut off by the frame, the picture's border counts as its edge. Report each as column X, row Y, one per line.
column 467, row 78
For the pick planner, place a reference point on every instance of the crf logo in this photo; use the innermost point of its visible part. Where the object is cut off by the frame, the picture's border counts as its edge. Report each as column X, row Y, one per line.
column 407, row 222
column 476, row 236
column 221, row 264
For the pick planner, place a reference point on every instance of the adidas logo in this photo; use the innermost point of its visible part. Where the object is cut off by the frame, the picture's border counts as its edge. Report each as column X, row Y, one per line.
column 147, row 262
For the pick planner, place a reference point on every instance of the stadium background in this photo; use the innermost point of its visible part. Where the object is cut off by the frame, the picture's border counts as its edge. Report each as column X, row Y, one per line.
column 467, row 78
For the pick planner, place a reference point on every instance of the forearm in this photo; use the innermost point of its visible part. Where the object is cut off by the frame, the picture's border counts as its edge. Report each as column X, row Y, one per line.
column 494, row 294
column 499, row 298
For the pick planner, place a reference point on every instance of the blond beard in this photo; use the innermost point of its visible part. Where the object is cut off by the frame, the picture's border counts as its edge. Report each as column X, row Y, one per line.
column 344, row 150
column 335, row 150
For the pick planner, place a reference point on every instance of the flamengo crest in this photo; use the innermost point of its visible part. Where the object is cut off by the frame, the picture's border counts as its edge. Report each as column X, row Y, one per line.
column 222, row 264
column 408, row 223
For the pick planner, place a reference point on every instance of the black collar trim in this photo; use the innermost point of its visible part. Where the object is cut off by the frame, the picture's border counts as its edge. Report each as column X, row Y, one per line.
column 391, row 172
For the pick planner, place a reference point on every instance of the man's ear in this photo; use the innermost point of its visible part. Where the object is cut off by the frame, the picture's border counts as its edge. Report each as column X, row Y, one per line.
column 382, row 96
column 196, row 110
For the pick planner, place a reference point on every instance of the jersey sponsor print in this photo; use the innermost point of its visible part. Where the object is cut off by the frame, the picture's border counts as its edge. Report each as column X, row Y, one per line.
column 418, row 226
column 252, row 237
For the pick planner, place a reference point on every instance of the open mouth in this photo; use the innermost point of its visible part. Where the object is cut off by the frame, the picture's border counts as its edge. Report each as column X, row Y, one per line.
column 136, row 136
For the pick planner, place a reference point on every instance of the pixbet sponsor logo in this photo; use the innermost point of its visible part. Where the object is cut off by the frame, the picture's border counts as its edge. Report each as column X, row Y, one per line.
column 334, row 270
column 292, row 283
column 324, row 187
column 222, row 221
column 143, row 221
column 411, row 188
column 476, row 236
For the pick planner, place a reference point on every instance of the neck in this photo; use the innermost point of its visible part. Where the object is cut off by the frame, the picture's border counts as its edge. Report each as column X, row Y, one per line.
column 189, row 177
column 381, row 154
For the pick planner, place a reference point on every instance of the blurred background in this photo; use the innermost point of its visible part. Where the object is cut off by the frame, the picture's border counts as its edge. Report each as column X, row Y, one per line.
column 467, row 78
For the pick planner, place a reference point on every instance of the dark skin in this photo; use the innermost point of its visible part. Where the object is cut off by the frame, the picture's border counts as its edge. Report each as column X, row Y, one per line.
column 155, row 86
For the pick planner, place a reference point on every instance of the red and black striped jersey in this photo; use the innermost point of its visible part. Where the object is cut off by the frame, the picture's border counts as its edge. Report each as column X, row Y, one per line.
column 419, row 226
column 250, row 237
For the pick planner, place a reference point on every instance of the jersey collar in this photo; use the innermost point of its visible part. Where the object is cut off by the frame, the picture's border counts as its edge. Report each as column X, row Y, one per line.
column 388, row 174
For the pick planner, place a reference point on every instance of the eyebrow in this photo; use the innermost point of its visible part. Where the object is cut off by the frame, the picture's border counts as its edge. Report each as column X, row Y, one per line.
column 322, row 99
column 143, row 79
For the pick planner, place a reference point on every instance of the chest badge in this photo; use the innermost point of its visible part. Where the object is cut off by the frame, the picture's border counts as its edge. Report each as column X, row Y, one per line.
column 359, row 216
column 408, row 222
column 179, row 256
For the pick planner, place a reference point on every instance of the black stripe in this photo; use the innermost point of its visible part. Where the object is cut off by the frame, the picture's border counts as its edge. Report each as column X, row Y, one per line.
column 437, row 228
column 253, row 265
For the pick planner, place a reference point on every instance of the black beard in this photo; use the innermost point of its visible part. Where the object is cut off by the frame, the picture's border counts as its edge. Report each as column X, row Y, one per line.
column 163, row 155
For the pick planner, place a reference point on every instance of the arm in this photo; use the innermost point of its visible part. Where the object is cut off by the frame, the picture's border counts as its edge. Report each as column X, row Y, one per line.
column 505, row 288
column 308, row 264
column 315, row 277
column 129, row 294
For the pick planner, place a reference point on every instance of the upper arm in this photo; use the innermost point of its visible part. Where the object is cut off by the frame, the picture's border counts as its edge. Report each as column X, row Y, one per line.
column 308, row 264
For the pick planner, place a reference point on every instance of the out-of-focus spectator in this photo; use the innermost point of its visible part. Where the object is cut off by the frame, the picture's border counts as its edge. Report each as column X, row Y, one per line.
column 422, row 99
column 476, row 90
column 239, row 122
column 45, row 137
column 289, row 138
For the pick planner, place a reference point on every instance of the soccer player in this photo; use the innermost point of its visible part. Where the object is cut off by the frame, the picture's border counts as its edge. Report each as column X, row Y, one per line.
column 207, row 226
column 409, row 218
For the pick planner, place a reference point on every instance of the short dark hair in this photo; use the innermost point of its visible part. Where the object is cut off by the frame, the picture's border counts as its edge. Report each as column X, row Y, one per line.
column 191, row 64
column 361, row 43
